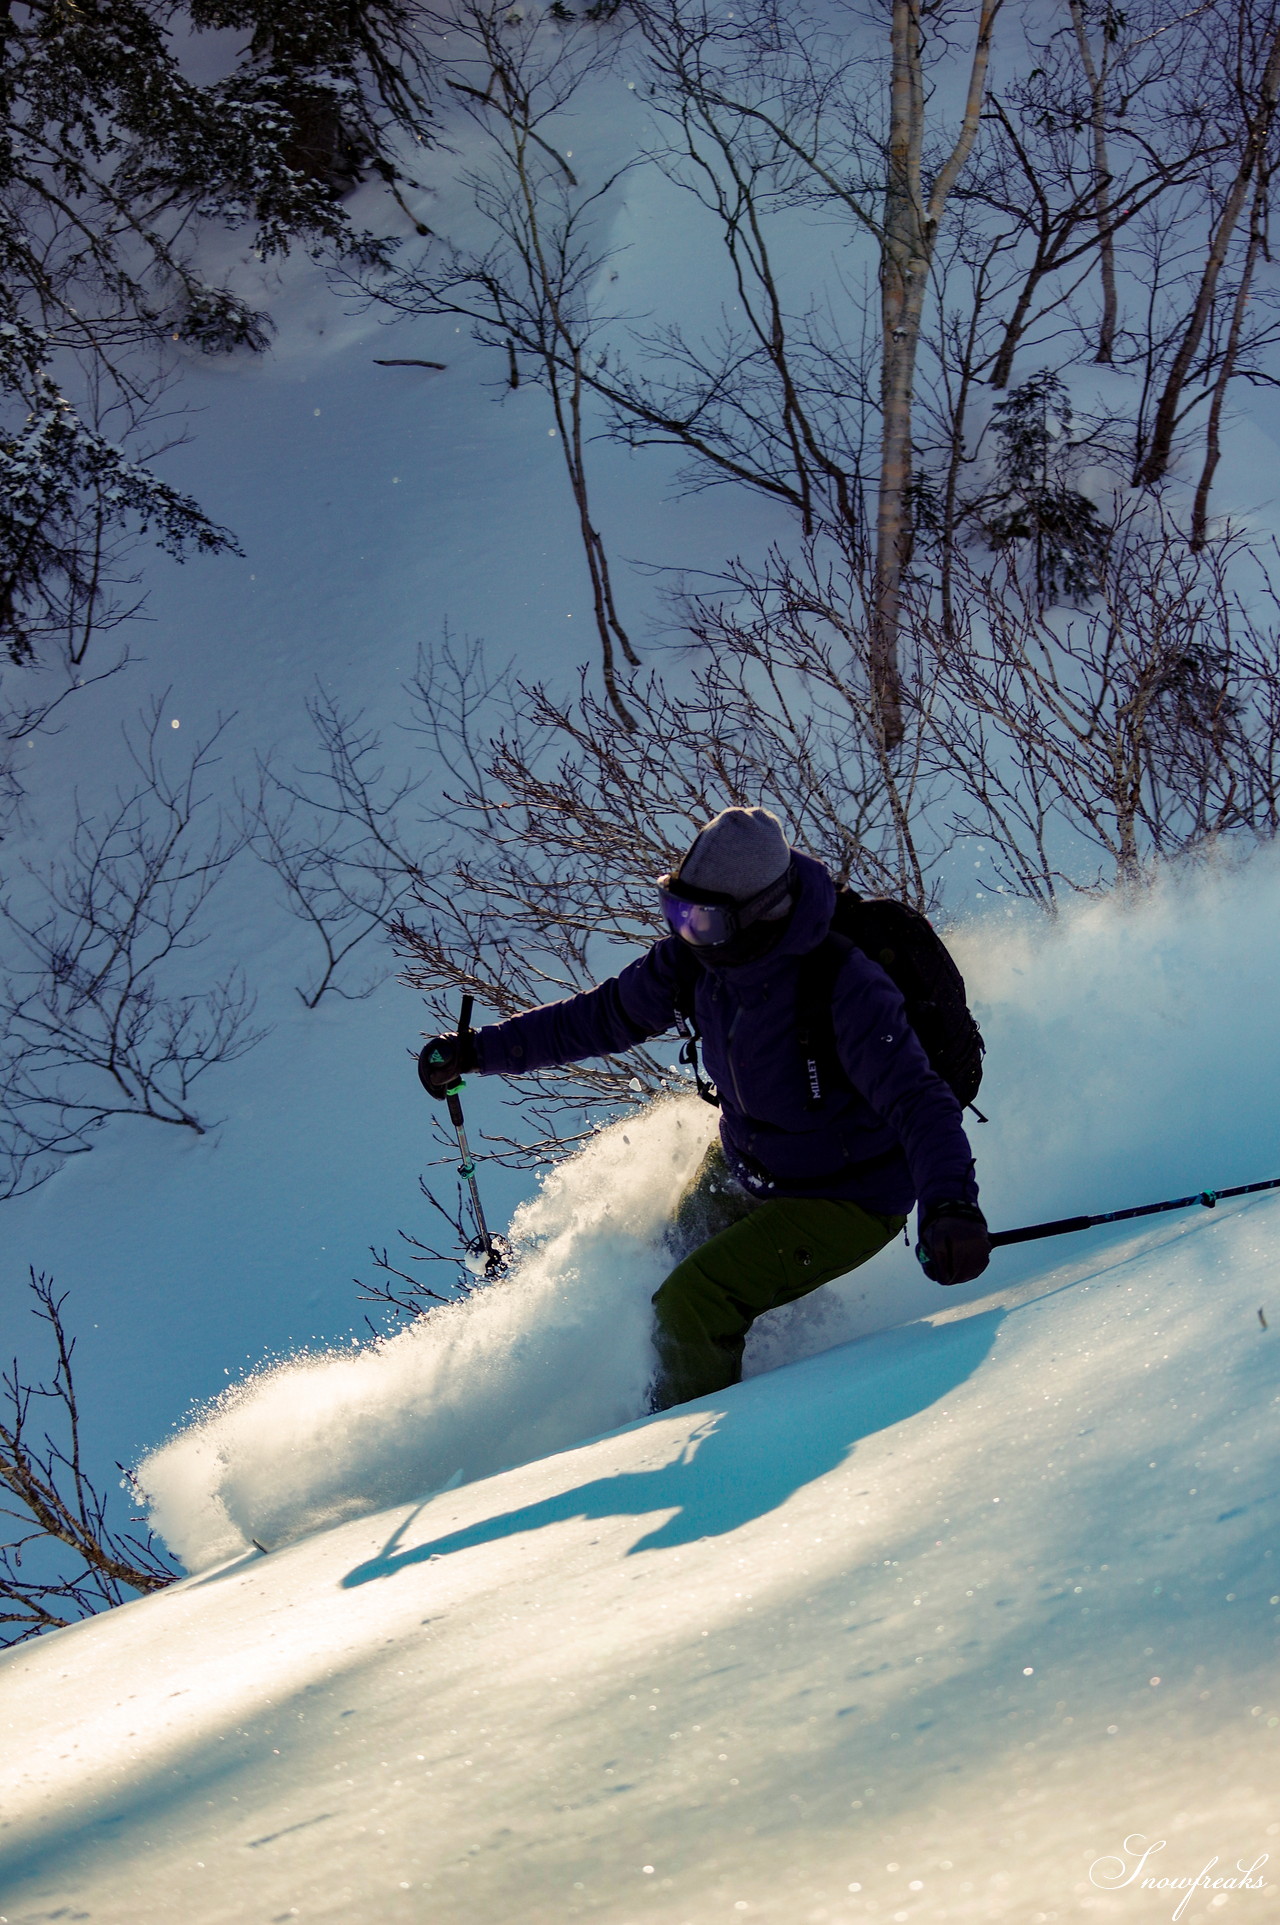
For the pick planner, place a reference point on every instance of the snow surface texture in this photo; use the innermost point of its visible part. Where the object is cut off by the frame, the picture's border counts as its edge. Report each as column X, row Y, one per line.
column 923, row 1629
column 1121, row 1069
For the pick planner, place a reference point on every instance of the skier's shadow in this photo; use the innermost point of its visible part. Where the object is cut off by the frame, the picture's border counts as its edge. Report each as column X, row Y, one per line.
column 753, row 1452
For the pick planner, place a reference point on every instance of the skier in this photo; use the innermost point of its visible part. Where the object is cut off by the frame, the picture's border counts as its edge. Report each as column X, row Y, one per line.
column 797, row 1191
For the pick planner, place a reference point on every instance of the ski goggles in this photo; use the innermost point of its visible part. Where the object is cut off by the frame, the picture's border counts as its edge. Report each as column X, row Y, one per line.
column 707, row 920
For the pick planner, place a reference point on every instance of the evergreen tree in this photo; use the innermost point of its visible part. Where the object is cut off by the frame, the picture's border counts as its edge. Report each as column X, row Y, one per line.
column 1036, row 503
column 111, row 160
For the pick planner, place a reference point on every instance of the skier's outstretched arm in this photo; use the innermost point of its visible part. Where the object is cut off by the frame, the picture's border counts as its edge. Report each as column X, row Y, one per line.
column 629, row 1008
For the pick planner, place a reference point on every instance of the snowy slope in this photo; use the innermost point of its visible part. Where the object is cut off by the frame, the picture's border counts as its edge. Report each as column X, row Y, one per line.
column 922, row 1628
column 1133, row 1054
column 537, row 1696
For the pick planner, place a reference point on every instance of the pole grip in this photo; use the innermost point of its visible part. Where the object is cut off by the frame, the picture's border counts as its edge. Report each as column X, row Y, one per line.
column 464, row 1015
column 455, row 1109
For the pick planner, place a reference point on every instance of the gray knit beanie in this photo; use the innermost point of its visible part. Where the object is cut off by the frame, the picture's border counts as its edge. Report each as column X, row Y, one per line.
column 739, row 853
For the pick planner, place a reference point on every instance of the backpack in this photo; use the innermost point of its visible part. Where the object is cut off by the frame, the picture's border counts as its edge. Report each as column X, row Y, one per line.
column 915, row 959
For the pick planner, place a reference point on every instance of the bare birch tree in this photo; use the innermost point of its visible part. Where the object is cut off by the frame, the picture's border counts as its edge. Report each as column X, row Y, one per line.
column 768, row 113
column 1249, row 66
column 343, row 843
column 911, row 220
column 526, row 288
column 1097, row 68
column 1088, row 747
column 1074, row 152
column 1231, row 353
column 783, row 114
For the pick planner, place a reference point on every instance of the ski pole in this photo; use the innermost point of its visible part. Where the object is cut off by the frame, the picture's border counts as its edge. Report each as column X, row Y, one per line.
column 1067, row 1224
column 494, row 1265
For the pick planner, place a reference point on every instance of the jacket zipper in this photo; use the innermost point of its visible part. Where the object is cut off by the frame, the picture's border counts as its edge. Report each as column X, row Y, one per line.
column 733, row 1072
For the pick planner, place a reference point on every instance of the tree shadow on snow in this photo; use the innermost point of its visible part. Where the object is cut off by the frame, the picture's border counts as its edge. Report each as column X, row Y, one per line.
column 757, row 1447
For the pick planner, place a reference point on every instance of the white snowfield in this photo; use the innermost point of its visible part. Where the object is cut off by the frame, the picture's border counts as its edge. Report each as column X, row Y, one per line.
column 922, row 1628
column 957, row 1609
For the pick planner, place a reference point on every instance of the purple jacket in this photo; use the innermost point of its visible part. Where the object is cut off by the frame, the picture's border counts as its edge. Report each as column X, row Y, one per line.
column 893, row 1135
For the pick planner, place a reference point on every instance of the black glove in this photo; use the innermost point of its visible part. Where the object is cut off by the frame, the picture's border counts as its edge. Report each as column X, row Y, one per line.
column 953, row 1245
column 444, row 1061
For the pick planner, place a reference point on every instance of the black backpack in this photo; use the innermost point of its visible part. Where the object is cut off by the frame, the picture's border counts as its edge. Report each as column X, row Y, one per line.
column 912, row 955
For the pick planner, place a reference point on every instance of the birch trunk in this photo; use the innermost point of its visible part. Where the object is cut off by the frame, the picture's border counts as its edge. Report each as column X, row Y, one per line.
column 909, row 236
column 1096, row 75
column 1156, row 461
column 1213, row 431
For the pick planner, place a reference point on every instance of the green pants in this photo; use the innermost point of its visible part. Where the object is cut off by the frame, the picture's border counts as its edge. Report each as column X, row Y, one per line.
column 750, row 1256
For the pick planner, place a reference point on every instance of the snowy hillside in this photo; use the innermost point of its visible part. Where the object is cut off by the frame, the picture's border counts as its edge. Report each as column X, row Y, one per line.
column 1116, row 1076
column 963, row 1601
column 923, row 1628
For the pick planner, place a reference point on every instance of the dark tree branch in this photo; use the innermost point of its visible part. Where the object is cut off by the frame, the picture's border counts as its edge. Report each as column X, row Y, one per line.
column 62, row 1558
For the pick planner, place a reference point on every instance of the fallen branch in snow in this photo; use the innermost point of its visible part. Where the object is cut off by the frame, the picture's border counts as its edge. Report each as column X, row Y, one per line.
column 56, row 1507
